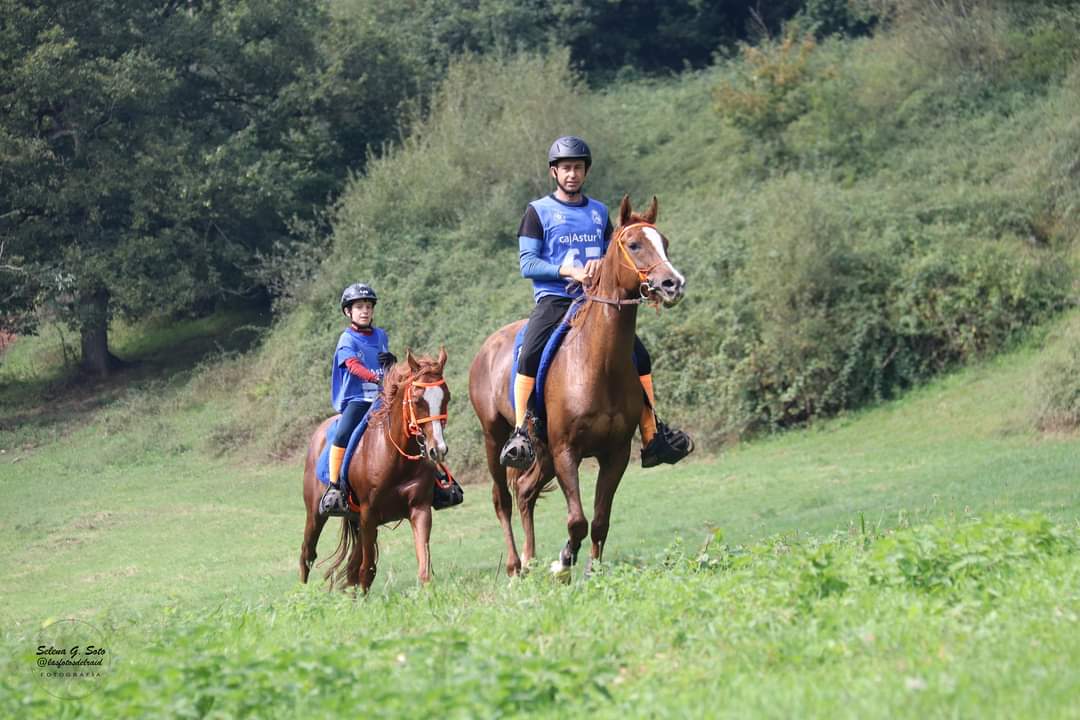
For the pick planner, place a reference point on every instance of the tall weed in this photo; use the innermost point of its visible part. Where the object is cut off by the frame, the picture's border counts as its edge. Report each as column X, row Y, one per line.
column 1057, row 382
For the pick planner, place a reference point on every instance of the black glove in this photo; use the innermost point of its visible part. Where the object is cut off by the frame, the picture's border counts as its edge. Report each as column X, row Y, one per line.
column 387, row 358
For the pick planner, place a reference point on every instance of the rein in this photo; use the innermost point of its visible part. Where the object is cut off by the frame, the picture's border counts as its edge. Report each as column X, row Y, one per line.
column 644, row 292
column 411, row 424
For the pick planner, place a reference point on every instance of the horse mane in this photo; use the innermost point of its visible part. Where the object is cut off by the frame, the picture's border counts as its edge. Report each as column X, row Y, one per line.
column 395, row 380
column 611, row 258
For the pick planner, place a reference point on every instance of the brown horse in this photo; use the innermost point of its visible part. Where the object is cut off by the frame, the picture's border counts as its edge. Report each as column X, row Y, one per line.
column 593, row 395
column 391, row 474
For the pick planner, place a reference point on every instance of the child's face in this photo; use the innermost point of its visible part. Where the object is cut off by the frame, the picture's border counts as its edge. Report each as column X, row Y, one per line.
column 362, row 313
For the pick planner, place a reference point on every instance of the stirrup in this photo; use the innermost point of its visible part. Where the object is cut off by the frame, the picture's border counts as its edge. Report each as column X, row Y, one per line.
column 668, row 446
column 333, row 503
column 449, row 496
column 518, row 452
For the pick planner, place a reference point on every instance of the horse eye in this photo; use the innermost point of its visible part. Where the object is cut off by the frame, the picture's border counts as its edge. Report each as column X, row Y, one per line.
column 634, row 246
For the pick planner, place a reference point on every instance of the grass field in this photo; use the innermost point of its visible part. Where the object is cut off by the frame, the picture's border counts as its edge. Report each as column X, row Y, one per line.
column 919, row 558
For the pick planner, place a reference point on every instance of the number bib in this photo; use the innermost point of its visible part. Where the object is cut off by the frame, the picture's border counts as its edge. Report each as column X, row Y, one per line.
column 573, row 235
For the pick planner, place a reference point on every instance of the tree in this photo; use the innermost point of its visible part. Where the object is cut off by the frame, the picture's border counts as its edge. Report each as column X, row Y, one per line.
column 148, row 152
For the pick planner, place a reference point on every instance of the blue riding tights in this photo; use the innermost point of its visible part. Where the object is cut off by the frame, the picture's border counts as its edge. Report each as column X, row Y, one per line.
column 352, row 415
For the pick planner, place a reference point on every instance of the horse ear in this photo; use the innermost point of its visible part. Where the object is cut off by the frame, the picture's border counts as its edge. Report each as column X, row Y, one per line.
column 442, row 356
column 413, row 365
column 625, row 211
column 650, row 213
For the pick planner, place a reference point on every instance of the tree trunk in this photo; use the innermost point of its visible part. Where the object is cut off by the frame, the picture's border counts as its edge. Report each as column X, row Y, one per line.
column 93, row 313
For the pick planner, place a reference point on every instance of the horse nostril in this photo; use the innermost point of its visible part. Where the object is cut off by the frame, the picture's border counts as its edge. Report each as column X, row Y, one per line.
column 669, row 284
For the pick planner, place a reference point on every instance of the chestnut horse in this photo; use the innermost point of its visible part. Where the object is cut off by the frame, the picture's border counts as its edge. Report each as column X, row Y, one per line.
column 391, row 475
column 592, row 394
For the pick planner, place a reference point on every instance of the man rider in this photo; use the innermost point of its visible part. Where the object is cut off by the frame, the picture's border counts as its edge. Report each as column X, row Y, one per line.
column 562, row 237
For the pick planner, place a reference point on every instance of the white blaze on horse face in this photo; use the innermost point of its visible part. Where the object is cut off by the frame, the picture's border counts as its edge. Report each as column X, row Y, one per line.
column 658, row 242
column 433, row 396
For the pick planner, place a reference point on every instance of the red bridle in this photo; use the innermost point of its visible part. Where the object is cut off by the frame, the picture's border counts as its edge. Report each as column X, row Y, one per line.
column 410, row 422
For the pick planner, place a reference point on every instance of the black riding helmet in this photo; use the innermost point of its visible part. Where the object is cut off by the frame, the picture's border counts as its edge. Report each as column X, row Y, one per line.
column 357, row 291
column 569, row 147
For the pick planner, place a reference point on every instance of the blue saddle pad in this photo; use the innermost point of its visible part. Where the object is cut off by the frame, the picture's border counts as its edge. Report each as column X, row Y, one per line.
column 322, row 467
column 546, row 358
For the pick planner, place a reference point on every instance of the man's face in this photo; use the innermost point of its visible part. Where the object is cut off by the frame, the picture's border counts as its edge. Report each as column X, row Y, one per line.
column 569, row 175
column 362, row 313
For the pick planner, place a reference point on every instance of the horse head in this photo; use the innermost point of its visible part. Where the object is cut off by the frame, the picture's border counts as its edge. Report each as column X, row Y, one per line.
column 426, row 399
column 644, row 262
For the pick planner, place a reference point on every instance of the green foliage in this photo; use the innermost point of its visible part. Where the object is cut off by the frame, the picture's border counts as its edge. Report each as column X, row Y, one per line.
column 768, row 91
column 843, row 17
column 149, row 152
column 867, row 218
column 428, row 227
column 975, row 556
column 853, row 574
column 671, row 637
column 841, row 241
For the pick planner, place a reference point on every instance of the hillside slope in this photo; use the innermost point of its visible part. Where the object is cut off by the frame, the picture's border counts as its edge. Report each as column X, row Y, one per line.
column 853, row 217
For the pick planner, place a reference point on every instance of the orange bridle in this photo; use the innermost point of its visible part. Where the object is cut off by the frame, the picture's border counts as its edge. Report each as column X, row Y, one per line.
column 620, row 240
column 644, row 290
column 411, row 424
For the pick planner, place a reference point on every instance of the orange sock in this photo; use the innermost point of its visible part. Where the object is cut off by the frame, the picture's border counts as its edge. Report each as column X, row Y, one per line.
column 337, row 455
column 648, row 415
column 523, row 387
column 646, row 385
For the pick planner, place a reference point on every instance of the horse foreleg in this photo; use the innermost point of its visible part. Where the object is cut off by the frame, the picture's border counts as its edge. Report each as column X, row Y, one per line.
column 529, row 485
column 502, row 500
column 356, row 552
column 420, row 519
column 369, row 534
column 577, row 525
column 312, row 530
column 612, row 467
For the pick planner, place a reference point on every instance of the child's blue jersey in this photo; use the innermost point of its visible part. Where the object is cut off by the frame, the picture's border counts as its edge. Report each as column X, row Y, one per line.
column 346, row 387
column 573, row 235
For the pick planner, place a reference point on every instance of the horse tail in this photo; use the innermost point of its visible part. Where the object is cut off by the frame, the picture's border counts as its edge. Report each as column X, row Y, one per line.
column 337, row 575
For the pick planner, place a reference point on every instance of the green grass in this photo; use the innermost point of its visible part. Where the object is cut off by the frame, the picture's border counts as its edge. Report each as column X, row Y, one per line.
column 186, row 558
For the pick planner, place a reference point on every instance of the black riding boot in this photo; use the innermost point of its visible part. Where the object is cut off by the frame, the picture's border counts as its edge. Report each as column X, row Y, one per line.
column 518, row 451
column 667, row 446
column 449, row 496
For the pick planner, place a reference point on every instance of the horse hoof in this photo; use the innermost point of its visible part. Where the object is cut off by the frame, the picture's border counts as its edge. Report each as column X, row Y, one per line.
column 559, row 572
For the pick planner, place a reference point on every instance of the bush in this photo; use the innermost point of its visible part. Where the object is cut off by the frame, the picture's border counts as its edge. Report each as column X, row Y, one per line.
column 768, row 90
